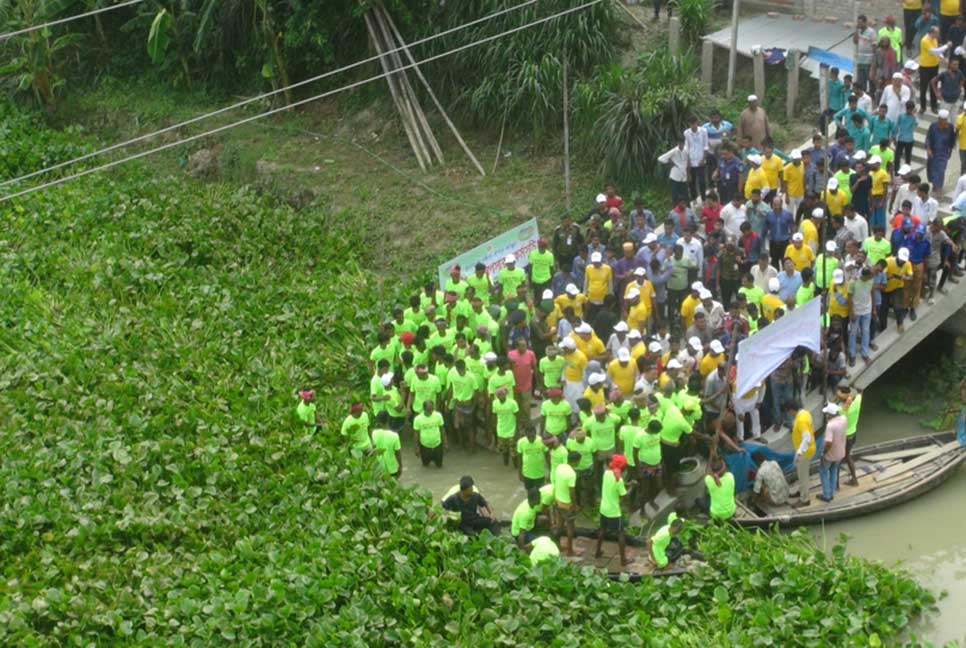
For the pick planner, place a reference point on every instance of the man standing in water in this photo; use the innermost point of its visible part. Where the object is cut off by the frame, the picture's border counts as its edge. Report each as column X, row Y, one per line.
column 469, row 503
column 564, row 490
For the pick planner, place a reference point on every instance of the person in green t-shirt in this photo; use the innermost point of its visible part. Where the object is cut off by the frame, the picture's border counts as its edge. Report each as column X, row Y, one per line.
column 355, row 427
column 386, row 443
column 851, row 404
column 557, row 453
column 581, row 443
column 430, row 440
column 306, row 411
column 659, row 546
column 673, row 427
column 377, row 390
column 612, row 492
column 564, row 490
column 876, row 247
column 551, row 369
column 461, row 386
column 720, row 483
column 541, row 268
column 555, row 412
column 647, row 451
column 424, row 387
column 510, row 276
column 525, row 518
column 505, row 410
column 386, row 349
column 603, row 430
column 532, row 459
column 748, row 288
column 544, row 550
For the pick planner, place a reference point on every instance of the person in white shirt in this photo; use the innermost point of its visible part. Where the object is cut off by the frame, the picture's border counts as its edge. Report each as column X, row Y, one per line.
column 857, row 225
column 677, row 158
column 924, row 206
column 713, row 311
column 618, row 339
column 693, row 249
column 696, row 143
column 906, row 188
column 733, row 215
column 864, row 100
column 895, row 97
column 960, row 186
column 762, row 272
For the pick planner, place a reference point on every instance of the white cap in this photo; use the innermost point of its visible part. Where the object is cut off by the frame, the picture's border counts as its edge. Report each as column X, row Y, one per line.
column 583, row 328
column 571, row 289
column 798, row 236
column 911, row 65
column 596, row 257
column 838, row 276
column 831, row 247
column 621, row 327
column 633, row 293
column 903, row 254
column 697, row 285
column 897, row 76
column 752, row 97
column 596, row 378
column 489, row 356
column 634, row 334
column 695, row 343
column 716, row 346
column 566, row 343
column 649, row 238
column 796, row 155
column 875, row 159
column 754, row 159
column 673, row 364
column 943, row 114
column 623, row 355
column 655, row 347
column 601, row 198
column 850, row 263
column 832, row 184
column 704, row 293
column 510, row 258
column 773, row 284
column 818, row 212
column 905, row 169
column 858, row 155
column 639, row 272
column 640, row 385
column 831, row 408
column 547, row 294
column 386, row 379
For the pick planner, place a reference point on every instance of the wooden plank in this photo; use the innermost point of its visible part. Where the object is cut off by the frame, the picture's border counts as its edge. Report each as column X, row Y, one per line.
column 926, row 458
column 898, row 454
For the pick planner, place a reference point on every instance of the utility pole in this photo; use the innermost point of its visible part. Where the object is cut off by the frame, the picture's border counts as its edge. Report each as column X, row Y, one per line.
column 733, row 53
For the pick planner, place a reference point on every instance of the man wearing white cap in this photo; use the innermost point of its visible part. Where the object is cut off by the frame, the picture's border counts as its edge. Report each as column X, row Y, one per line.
column 833, row 450
column 793, row 182
column 756, row 178
column 834, row 197
column 572, row 298
column 510, row 276
column 711, row 360
column 588, row 342
column 677, row 159
column 907, row 184
column 800, row 254
column 898, row 272
column 637, row 310
column 714, row 311
column 771, row 301
column 940, row 142
column 753, row 122
column 618, row 339
column 623, row 372
column 895, row 97
column 598, row 283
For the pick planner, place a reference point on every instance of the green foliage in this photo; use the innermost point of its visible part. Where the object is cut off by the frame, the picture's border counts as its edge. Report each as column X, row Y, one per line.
column 695, row 17
column 26, row 145
column 159, row 36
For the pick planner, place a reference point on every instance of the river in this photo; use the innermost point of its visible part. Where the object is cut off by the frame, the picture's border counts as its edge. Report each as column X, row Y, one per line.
column 927, row 536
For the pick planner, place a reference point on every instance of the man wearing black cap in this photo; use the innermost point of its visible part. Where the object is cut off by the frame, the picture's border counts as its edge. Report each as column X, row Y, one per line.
column 475, row 513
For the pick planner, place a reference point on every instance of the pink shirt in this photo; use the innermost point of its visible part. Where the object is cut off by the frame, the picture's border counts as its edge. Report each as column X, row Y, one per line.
column 523, row 364
column 835, row 438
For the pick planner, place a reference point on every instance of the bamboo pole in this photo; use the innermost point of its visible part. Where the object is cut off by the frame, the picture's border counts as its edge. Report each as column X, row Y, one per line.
column 393, row 90
column 432, row 95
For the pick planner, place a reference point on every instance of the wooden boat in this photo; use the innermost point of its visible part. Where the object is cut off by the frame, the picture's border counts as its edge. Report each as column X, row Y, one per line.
column 888, row 474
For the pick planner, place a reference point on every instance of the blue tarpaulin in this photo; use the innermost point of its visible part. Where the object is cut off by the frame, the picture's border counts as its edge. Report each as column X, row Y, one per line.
column 744, row 469
column 831, row 59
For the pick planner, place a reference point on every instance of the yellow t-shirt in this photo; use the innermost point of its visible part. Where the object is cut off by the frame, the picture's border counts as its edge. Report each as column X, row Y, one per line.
column 881, row 180
column 591, row 347
column 574, row 364
column 623, row 377
column 834, row 307
column 895, row 273
column 802, row 424
column 757, row 179
column 961, row 127
column 912, row 4
column 809, row 233
column 688, row 304
column 638, row 314
column 598, row 281
column 595, row 396
column 927, row 58
column 835, row 201
column 772, row 167
column 794, row 177
column 638, row 350
column 949, row 7
column 801, row 257
column 768, row 305
column 709, row 363
column 577, row 303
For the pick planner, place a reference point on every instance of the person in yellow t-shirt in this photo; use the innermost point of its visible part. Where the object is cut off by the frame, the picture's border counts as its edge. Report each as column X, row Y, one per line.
column 898, row 271
column 711, row 360
column 803, row 441
column 623, row 372
column 638, row 309
column 573, row 374
column 771, row 164
column 771, row 302
column 840, row 298
column 793, row 182
column 757, row 178
column 929, row 53
column 961, row 138
column 810, row 227
column 690, row 303
column 587, row 342
column 598, row 279
column 834, row 197
column 800, row 254
column 571, row 297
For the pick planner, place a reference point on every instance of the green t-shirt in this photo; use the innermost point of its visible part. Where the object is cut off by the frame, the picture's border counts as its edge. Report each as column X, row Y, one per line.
column 306, row 412
column 648, row 447
column 887, row 155
column 375, row 391
column 603, row 432
column 661, row 540
column 425, row 389
column 628, row 436
column 753, row 294
column 546, row 495
column 825, row 265
column 531, row 454
column 458, row 287
column 563, row 480
column 357, row 429
column 394, row 405
column 510, row 279
column 524, row 518
column 551, row 370
column 804, row 293
column 417, row 317
column 463, row 386
column 496, row 381
column 722, row 497
column 429, row 429
column 386, row 443
column 447, row 340
column 875, row 250
column 586, row 448
column 620, row 411
column 611, row 490
column 674, row 425
column 557, row 456
column 544, row 549
column 541, row 266
column 555, row 416
column 506, row 420
column 852, row 416
column 481, row 286
column 387, row 352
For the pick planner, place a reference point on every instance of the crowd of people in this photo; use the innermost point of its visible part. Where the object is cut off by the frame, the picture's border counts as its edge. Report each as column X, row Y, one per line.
column 596, row 365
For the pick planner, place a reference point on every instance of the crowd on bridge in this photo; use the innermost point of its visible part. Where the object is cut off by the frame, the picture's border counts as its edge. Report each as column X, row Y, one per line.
column 593, row 366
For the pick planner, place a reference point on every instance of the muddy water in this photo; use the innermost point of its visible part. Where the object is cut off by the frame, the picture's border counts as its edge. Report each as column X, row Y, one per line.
column 927, row 535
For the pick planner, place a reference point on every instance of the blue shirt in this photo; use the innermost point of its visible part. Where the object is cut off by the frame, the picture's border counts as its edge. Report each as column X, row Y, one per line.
column 788, row 286
column 919, row 250
column 778, row 226
column 882, row 128
column 728, row 171
column 666, row 239
column 899, row 239
column 715, row 133
column 879, row 281
column 836, row 95
column 905, row 127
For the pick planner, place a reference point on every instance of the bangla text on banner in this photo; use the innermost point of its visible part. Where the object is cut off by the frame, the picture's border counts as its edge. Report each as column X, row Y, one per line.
column 519, row 241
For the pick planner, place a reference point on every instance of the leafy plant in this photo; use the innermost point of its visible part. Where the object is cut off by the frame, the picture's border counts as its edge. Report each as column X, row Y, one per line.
column 695, row 17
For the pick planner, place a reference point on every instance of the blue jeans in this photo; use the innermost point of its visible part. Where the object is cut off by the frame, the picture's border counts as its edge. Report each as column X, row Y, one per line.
column 829, row 472
column 863, row 322
column 781, row 394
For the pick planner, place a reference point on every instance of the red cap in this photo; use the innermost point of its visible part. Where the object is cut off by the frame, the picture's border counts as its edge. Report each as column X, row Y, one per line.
column 407, row 338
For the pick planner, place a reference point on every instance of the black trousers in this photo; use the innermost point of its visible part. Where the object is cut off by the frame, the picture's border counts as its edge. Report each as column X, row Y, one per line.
column 697, row 182
column 909, row 17
column 728, row 288
column 431, row 455
column 926, row 75
column 475, row 526
column 904, row 152
column 776, row 251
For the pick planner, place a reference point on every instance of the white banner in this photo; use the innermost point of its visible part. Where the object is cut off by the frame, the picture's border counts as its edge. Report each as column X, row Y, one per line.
column 763, row 352
column 519, row 241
